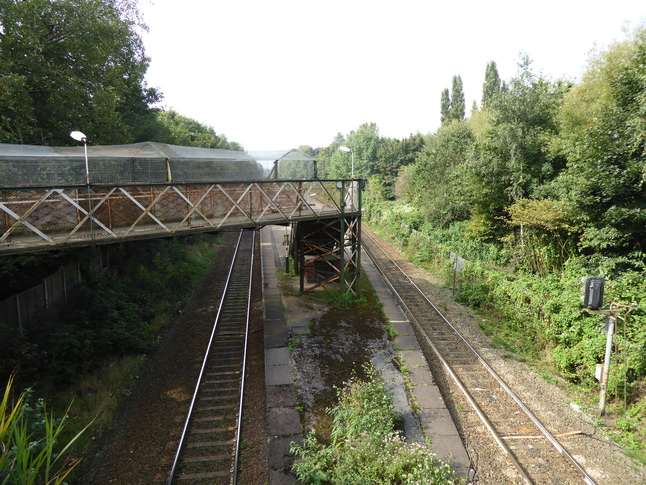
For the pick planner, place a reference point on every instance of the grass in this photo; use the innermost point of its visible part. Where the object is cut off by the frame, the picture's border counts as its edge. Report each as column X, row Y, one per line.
column 33, row 450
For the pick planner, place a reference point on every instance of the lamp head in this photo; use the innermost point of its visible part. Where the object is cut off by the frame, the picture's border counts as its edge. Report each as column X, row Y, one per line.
column 345, row 149
column 78, row 136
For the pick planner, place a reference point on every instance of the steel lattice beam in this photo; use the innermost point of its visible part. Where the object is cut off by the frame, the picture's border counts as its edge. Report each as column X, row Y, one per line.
column 45, row 218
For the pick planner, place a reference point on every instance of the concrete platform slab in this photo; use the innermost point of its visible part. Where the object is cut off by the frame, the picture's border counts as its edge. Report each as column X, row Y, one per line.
column 438, row 422
column 402, row 327
column 408, row 342
column 429, row 397
column 280, row 395
column 283, row 421
column 414, row 359
column 278, row 374
column 279, row 356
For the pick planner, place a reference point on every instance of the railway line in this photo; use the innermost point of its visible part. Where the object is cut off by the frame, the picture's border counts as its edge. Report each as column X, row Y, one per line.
column 533, row 452
column 209, row 447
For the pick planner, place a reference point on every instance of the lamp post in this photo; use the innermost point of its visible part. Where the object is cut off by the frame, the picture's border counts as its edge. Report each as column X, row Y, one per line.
column 78, row 136
column 352, row 187
column 349, row 150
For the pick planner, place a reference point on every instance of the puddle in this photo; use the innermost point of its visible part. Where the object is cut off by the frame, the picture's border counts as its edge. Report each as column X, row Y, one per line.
column 336, row 348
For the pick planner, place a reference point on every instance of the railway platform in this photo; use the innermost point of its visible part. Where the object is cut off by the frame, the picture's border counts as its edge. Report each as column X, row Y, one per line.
column 283, row 419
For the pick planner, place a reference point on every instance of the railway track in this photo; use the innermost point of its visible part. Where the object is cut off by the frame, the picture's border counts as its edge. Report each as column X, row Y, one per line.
column 209, row 448
column 536, row 454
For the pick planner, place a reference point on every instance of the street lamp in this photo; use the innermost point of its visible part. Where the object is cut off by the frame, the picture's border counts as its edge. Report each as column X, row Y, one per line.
column 348, row 150
column 78, row 136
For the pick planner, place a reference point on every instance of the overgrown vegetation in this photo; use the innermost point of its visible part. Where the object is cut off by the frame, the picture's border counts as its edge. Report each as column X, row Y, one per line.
column 364, row 447
column 91, row 352
column 115, row 312
column 539, row 319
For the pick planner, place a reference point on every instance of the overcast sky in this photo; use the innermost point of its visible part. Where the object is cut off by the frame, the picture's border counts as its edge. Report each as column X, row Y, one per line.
column 277, row 74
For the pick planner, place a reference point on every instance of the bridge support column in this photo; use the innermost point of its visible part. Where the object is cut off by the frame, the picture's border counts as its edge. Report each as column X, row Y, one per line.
column 326, row 252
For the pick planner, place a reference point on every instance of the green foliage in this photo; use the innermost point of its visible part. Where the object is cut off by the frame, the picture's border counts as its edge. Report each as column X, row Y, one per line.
column 392, row 156
column 458, row 106
column 544, row 242
column 453, row 107
column 602, row 132
column 363, row 447
column 365, row 143
column 437, row 179
column 509, row 159
column 445, row 106
column 31, row 442
column 398, row 218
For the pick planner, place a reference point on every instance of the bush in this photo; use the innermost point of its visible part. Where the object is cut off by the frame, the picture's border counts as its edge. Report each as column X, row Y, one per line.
column 364, row 448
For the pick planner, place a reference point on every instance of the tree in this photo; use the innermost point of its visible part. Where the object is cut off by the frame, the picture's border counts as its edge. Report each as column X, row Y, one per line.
column 180, row 130
column 365, row 143
column 453, row 107
column 458, row 106
column 69, row 65
column 445, row 106
column 435, row 184
column 491, row 85
column 392, row 156
column 510, row 159
column 603, row 135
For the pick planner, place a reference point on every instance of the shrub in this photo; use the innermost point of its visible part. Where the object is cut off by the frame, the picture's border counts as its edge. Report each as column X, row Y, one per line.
column 363, row 447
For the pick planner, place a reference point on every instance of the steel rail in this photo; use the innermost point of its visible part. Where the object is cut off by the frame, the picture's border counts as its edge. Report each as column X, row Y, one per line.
column 244, row 367
column 589, row 480
column 200, row 378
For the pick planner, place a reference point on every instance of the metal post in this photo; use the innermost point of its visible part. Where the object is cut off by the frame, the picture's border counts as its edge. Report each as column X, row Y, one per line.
column 342, row 237
column 606, row 365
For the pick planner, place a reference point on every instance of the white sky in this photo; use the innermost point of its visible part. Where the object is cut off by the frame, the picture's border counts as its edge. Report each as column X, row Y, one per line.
column 277, row 74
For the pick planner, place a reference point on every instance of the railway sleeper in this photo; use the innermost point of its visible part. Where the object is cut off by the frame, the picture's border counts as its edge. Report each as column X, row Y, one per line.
column 212, row 430
column 207, row 409
column 210, row 444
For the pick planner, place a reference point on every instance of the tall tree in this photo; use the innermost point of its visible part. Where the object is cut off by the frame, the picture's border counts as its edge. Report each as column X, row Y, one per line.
column 67, row 65
column 510, row 159
column 365, row 143
column 436, row 183
column 445, row 106
column 393, row 155
column 491, row 85
column 458, row 105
